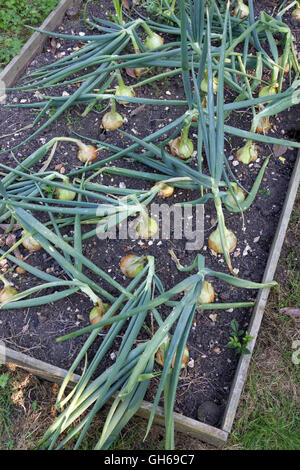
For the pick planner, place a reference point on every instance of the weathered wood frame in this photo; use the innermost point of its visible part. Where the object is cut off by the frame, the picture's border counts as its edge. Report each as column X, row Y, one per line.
column 202, row 431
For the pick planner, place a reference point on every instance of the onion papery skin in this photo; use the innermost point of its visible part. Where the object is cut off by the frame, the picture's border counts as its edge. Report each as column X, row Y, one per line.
column 7, row 293
column 124, row 90
column 264, row 125
column 98, row 312
column 214, row 241
column 181, row 148
column 64, row 194
column 153, row 41
column 165, row 190
column 132, row 265
column 207, row 293
column 147, row 227
column 239, row 194
column 30, row 243
column 241, row 8
column 163, row 349
column 248, row 153
column 296, row 14
column 87, row 153
column 112, row 121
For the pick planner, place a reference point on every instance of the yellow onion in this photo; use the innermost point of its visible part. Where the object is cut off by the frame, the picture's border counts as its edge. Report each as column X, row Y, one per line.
column 124, row 90
column 263, row 125
column 98, row 312
column 204, row 83
column 132, row 265
column 146, row 227
column 181, row 147
column 165, row 190
column 87, row 153
column 207, row 293
column 241, row 9
column 7, row 293
column 112, row 121
column 65, row 194
column 239, row 195
column 268, row 90
column 30, row 243
column 248, row 153
column 162, row 352
column 296, row 13
column 214, row 241
column 153, row 40
column 287, row 66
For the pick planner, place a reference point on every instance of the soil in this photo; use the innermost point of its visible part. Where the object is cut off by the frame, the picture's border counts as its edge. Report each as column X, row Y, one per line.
column 34, row 331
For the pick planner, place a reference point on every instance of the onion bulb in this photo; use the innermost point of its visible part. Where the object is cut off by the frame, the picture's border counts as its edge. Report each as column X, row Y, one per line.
column 263, row 125
column 132, row 265
column 30, row 243
column 146, row 226
column 248, row 153
column 112, row 121
column 124, row 90
column 241, row 9
column 98, row 312
column 287, row 66
column 165, row 190
column 65, row 194
column 296, row 13
column 204, row 83
column 153, row 40
column 207, row 293
column 268, row 90
column 239, row 195
column 7, row 293
column 214, row 241
column 87, row 153
column 182, row 147
column 162, row 352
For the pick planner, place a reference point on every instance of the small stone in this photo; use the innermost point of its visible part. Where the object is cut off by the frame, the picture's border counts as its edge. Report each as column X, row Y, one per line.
column 209, row 413
column 73, row 13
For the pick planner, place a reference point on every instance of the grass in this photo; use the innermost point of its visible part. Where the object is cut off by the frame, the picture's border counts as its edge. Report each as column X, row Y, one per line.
column 14, row 15
column 268, row 416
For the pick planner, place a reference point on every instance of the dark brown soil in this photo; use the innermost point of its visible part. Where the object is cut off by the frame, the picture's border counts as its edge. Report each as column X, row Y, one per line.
column 34, row 330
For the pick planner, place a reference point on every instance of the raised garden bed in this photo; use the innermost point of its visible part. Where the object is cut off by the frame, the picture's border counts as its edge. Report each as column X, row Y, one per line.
column 214, row 372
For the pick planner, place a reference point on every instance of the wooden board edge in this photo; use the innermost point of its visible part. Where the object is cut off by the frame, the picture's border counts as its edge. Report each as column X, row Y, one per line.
column 17, row 65
column 262, row 297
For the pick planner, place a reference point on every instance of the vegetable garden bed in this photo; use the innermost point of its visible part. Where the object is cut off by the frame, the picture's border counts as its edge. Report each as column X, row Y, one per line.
column 33, row 329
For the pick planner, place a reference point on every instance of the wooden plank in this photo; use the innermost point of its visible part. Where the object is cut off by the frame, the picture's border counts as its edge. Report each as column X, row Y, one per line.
column 210, row 434
column 243, row 365
column 34, row 44
column 205, row 432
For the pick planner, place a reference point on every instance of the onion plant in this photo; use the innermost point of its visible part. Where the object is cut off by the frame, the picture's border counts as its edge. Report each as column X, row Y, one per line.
column 129, row 376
